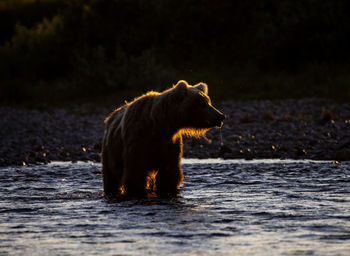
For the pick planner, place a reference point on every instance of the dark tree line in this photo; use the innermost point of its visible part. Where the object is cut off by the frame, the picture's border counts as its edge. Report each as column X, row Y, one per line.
column 99, row 46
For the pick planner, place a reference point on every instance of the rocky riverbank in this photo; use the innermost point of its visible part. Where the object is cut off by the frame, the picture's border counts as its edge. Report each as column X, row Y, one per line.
column 298, row 129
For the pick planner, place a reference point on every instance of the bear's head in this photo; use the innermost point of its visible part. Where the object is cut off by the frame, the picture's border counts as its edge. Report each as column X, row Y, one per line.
column 195, row 108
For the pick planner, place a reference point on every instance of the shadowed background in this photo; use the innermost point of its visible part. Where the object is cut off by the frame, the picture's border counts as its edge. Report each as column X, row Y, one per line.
column 59, row 52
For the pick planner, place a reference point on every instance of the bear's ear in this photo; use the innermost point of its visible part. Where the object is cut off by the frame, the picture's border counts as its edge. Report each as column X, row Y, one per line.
column 202, row 87
column 181, row 87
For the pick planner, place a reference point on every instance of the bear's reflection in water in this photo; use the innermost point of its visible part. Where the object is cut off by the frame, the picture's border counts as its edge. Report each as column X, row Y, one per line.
column 149, row 192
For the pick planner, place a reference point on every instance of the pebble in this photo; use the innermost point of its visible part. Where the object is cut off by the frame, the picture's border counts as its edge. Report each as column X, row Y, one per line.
column 296, row 129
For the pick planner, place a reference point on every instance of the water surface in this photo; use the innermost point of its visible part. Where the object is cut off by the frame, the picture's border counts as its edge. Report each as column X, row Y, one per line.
column 236, row 207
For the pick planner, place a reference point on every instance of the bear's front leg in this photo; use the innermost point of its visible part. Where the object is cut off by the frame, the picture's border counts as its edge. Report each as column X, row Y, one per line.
column 169, row 179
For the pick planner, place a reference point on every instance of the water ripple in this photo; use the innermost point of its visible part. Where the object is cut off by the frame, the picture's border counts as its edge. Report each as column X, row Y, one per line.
column 233, row 207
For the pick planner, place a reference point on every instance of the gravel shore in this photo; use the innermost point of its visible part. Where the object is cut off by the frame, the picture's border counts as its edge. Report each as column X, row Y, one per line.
column 297, row 129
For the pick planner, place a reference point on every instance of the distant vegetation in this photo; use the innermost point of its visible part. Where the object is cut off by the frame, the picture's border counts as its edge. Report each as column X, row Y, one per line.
column 55, row 51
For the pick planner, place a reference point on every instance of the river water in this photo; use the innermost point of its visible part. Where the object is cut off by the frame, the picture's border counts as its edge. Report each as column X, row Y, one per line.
column 237, row 207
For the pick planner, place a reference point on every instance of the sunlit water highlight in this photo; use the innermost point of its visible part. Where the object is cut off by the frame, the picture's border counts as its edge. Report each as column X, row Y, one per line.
column 231, row 207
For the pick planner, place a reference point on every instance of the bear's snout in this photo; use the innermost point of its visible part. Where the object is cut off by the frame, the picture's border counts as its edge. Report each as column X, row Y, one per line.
column 220, row 120
column 217, row 118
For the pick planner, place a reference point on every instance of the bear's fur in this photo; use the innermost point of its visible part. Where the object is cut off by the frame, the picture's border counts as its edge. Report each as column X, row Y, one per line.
column 143, row 138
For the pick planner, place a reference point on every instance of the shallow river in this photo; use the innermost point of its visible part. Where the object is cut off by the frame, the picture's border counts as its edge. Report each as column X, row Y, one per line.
column 266, row 207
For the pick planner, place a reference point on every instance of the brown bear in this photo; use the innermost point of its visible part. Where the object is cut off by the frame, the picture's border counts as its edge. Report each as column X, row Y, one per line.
column 143, row 138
